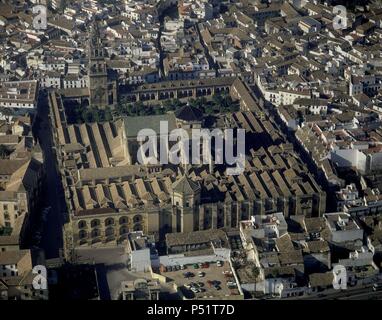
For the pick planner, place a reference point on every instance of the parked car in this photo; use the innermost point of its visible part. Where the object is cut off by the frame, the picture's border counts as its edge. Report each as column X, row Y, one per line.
column 227, row 272
column 201, row 274
column 194, row 290
column 219, row 263
column 182, row 266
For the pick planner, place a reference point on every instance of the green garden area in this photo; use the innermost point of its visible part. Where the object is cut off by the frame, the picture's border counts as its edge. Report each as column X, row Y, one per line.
column 5, row 231
column 76, row 113
column 218, row 104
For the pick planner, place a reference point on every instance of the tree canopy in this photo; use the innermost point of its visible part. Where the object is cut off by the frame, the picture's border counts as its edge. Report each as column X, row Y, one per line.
column 4, row 152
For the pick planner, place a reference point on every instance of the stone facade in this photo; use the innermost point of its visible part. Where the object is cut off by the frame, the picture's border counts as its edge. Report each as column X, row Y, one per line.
column 102, row 92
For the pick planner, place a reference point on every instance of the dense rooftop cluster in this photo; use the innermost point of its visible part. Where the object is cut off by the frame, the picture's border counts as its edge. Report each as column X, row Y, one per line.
column 305, row 88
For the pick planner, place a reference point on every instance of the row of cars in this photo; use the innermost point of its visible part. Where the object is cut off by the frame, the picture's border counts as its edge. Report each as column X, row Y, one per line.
column 172, row 268
column 195, row 287
column 189, row 274
column 200, row 265
column 230, row 280
column 206, row 265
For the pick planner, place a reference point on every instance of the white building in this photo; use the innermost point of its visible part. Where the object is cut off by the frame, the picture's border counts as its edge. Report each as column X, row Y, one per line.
column 348, row 196
column 142, row 252
column 15, row 263
column 285, row 96
column 75, row 81
column 51, row 79
column 309, row 25
column 19, row 94
column 343, row 228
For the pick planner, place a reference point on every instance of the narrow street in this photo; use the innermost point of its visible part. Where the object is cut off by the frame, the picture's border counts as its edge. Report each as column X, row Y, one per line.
column 159, row 46
column 53, row 192
column 206, row 51
column 172, row 13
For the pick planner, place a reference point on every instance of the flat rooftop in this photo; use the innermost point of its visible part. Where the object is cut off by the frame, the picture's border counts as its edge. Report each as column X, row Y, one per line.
column 341, row 222
column 18, row 91
column 196, row 237
column 212, row 273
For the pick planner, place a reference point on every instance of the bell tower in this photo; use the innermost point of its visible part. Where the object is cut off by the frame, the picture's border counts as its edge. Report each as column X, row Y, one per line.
column 101, row 92
column 186, row 201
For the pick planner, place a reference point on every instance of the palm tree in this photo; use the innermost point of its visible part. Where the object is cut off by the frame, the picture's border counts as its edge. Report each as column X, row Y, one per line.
column 6, row 112
column 255, row 273
column 4, row 152
column 193, row 102
column 217, row 101
column 138, row 106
